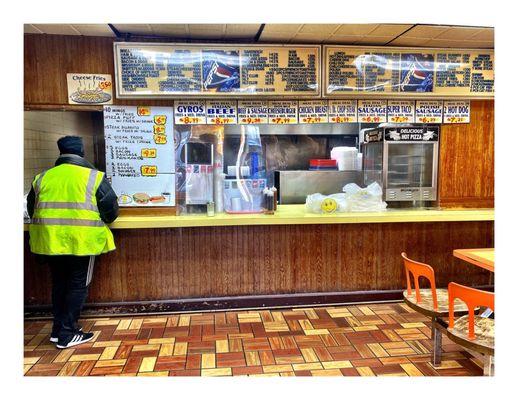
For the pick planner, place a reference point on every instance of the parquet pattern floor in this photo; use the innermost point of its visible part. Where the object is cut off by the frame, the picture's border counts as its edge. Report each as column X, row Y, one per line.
column 360, row 340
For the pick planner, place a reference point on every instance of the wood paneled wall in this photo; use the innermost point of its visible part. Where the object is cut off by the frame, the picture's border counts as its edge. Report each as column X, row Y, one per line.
column 466, row 177
column 162, row 264
column 48, row 59
column 467, row 160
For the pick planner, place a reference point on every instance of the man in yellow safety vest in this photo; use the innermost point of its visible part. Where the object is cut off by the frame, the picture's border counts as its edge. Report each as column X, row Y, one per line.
column 70, row 205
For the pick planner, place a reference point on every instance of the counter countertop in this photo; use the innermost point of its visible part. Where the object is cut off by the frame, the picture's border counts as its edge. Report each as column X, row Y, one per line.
column 296, row 215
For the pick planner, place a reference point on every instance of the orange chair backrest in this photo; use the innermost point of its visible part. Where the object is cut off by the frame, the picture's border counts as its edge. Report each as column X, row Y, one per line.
column 419, row 269
column 473, row 298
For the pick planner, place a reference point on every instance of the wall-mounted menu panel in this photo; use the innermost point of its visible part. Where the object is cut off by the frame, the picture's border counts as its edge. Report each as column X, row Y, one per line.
column 156, row 70
column 397, row 72
column 140, row 162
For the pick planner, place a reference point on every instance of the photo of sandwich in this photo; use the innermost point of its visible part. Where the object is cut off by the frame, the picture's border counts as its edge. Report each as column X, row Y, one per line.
column 141, row 198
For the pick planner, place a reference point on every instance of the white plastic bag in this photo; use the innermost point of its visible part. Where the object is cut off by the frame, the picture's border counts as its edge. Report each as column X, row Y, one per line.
column 364, row 199
column 317, row 203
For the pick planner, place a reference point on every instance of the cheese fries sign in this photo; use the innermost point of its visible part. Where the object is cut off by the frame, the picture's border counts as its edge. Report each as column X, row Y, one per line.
column 89, row 89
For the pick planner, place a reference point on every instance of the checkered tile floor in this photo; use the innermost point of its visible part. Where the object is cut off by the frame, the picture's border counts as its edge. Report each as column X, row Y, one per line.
column 366, row 340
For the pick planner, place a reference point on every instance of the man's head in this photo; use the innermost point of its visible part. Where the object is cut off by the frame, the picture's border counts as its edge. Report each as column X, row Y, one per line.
column 71, row 145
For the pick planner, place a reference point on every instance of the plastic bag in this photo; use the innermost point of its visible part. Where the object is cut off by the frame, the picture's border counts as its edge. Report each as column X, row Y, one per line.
column 364, row 199
column 317, row 203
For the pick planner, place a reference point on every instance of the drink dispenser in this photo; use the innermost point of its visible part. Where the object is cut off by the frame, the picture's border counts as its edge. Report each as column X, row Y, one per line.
column 244, row 194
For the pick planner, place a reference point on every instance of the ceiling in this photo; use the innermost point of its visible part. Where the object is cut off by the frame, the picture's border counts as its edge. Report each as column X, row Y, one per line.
column 411, row 35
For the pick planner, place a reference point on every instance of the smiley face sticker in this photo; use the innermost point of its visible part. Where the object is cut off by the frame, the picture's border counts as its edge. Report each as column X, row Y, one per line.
column 328, row 205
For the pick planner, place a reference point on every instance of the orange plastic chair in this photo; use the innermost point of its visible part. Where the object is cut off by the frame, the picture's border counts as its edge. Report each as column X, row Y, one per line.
column 473, row 298
column 419, row 269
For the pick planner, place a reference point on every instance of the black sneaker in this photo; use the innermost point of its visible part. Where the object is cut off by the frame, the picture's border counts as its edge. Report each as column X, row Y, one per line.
column 54, row 335
column 74, row 340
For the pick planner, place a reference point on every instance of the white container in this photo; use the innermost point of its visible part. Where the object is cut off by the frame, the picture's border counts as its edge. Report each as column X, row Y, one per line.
column 346, row 157
column 236, row 203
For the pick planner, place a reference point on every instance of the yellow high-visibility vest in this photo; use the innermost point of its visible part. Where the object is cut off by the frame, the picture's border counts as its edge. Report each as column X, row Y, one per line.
column 66, row 219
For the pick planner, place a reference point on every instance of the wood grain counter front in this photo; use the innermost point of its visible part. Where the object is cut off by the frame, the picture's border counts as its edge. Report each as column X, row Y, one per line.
column 286, row 259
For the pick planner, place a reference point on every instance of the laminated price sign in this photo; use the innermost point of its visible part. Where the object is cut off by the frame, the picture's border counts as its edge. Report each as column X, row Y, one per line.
column 456, row 111
column 313, row 111
column 428, row 111
column 221, row 112
column 189, row 112
column 401, row 111
column 140, row 156
column 252, row 112
column 343, row 111
column 283, row 112
column 148, row 153
column 148, row 170
column 372, row 111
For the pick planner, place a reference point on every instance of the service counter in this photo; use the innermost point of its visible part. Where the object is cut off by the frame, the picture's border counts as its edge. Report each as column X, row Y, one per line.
column 195, row 262
column 295, row 214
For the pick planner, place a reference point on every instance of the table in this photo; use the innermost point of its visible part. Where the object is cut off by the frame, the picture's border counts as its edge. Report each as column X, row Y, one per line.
column 483, row 258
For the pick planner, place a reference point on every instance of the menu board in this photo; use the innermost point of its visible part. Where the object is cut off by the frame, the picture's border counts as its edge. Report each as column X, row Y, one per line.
column 456, row 111
column 343, row 111
column 313, row 111
column 400, row 111
column 428, row 111
column 140, row 156
column 221, row 112
column 189, row 112
column 372, row 111
column 283, row 112
column 399, row 72
column 177, row 70
column 252, row 112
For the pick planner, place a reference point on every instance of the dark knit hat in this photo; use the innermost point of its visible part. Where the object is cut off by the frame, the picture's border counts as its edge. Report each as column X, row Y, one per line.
column 71, row 145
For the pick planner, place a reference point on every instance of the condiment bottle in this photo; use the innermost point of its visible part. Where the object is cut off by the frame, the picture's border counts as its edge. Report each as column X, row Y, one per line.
column 210, row 209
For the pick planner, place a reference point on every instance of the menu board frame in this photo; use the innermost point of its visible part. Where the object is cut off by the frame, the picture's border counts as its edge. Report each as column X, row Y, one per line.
column 120, row 94
column 397, row 95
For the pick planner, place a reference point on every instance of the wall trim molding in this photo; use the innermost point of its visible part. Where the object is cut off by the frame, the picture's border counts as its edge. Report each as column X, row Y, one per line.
column 228, row 303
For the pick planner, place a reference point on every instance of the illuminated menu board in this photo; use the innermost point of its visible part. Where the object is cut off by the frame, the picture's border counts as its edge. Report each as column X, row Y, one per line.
column 173, row 70
column 390, row 72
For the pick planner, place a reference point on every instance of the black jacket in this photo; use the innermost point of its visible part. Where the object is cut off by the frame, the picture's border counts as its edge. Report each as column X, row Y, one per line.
column 105, row 196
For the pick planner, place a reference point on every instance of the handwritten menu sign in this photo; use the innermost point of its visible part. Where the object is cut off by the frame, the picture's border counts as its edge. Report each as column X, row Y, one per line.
column 341, row 111
column 221, row 112
column 190, row 112
column 252, row 112
column 400, row 111
column 313, row 111
column 283, row 112
column 428, row 111
column 372, row 111
column 169, row 70
column 140, row 162
column 456, row 111
column 408, row 72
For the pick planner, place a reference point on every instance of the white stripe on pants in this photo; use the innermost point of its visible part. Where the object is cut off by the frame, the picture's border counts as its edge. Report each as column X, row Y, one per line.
column 90, row 273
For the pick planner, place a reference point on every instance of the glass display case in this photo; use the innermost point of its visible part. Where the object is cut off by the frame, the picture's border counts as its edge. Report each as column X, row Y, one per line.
column 403, row 160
